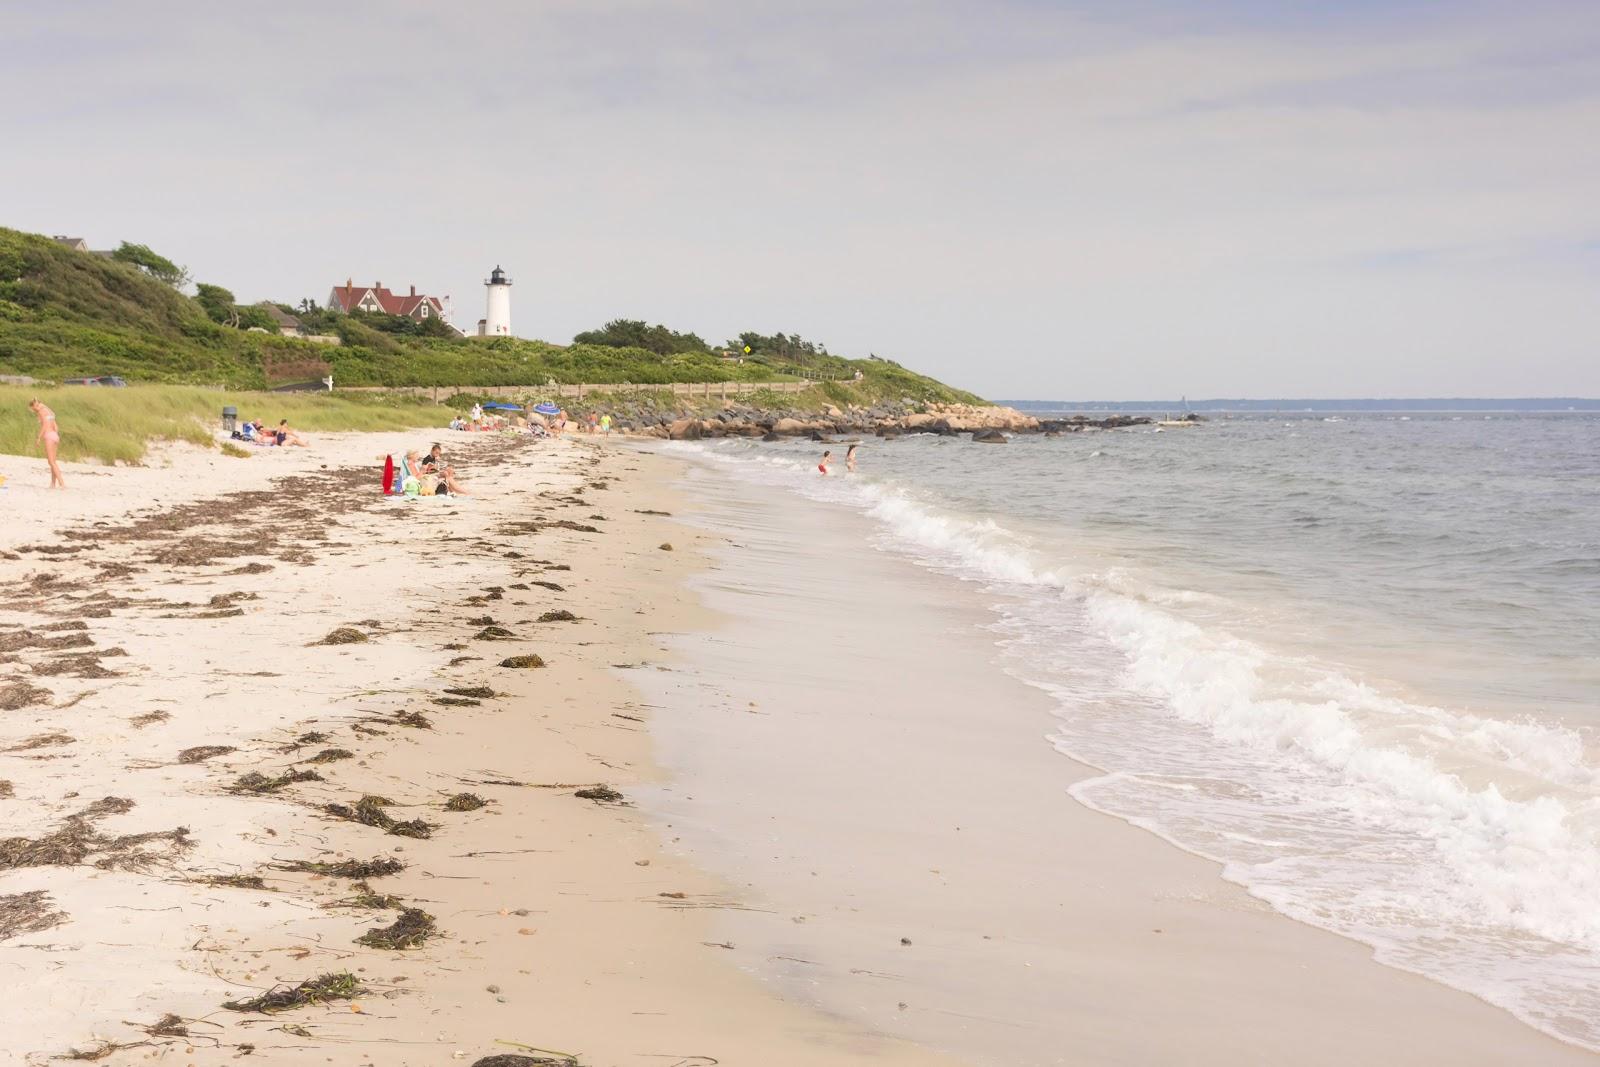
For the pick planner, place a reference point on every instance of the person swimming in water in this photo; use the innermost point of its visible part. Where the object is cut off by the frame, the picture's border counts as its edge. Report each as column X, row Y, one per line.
column 50, row 437
column 850, row 458
column 823, row 466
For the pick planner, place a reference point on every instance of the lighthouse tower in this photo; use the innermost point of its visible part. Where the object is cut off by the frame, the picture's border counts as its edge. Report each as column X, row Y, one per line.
column 497, row 317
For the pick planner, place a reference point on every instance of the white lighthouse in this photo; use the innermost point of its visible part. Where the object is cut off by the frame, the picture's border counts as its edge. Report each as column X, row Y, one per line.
column 497, row 317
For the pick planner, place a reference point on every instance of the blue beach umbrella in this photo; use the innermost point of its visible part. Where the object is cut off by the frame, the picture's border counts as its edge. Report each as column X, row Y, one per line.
column 547, row 408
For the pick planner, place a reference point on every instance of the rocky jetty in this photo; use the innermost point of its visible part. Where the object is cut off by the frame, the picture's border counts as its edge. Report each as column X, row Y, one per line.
column 986, row 423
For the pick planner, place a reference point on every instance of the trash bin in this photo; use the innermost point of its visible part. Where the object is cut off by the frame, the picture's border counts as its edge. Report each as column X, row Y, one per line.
column 230, row 419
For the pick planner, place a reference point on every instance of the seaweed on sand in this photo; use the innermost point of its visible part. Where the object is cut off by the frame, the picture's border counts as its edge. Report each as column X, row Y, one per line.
column 169, row 1025
column 358, row 869
column 256, row 782
column 477, row 692
column 201, row 753
column 493, row 633
column 344, row 635
column 28, row 913
column 235, row 881
column 600, row 794
column 465, row 802
column 513, row 1059
column 456, row 702
column 527, row 662
column 560, row 615
column 369, row 898
column 412, row 928
column 76, row 841
column 369, row 810
column 340, row 985
column 149, row 718
column 17, row 695
column 414, row 719
column 331, row 755
column 48, row 740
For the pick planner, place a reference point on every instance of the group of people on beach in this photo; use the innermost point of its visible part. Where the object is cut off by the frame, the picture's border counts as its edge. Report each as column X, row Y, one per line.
column 849, row 459
column 280, row 435
column 419, row 474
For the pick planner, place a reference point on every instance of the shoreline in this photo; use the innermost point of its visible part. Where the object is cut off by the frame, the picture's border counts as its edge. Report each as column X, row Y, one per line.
column 563, row 923
column 880, row 799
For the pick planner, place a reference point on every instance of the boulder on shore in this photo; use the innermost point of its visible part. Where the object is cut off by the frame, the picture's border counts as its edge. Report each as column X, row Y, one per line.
column 684, row 430
column 989, row 437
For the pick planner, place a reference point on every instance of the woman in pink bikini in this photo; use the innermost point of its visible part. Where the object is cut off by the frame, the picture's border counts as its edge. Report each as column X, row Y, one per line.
column 50, row 434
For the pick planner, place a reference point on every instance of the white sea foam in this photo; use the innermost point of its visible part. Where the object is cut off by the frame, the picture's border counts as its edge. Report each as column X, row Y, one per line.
column 1460, row 846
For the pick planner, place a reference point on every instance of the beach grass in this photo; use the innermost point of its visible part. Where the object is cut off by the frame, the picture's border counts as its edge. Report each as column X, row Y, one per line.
column 118, row 425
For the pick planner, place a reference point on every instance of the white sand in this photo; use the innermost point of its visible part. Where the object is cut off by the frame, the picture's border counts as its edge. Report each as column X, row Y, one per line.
column 555, row 901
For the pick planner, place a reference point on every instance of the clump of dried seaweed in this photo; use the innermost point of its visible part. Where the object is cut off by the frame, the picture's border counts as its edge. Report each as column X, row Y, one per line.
column 465, row 802
column 235, row 881
column 370, row 811
column 17, row 695
column 340, row 985
column 169, row 1025
column 476, row 692
column 28, row 913
column 361, row 869
column 256, row 782
column 493, row 633
column 600, row 794
column 414, row 719
column 344, row 635
column 331, row 755
column 412, row 928
column 368, row 898
column 528, row 662
column 560, row 615
column 77, row 841
column 201, row 753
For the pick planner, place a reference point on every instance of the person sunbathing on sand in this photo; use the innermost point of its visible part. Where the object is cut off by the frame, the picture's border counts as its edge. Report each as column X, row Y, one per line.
column 287, row 436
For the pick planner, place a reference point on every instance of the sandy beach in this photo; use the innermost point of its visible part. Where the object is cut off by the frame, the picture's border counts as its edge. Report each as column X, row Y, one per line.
column 174, row 735
column 251, row 708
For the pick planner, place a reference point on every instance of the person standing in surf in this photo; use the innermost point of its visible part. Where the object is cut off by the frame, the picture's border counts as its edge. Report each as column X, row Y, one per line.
column 50, row 436
column 850, row 458
column 823, row 466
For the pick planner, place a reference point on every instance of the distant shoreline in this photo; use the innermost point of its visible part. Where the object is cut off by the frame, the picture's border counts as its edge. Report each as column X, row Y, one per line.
column 1546, row 405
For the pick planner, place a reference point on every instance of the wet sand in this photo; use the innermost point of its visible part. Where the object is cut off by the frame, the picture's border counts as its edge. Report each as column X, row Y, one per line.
column 844, row 747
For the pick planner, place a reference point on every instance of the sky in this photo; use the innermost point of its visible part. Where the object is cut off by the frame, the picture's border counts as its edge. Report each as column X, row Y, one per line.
column 1030, row 199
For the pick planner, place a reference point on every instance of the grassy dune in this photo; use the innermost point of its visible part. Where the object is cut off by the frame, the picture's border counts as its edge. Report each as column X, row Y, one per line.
column 117, row 425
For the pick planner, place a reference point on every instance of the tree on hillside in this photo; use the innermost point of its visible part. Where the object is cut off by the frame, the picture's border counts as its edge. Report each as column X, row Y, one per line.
column 636, row 333
column 791, row 347
column 218, row 304
column 220, row 307
column 157, row 266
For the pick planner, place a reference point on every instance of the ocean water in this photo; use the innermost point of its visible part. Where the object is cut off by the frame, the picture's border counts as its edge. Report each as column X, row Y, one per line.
column 1356, row 660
